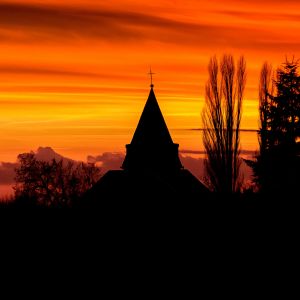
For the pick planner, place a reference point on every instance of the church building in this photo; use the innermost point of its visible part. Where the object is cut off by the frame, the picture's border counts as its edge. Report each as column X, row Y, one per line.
column 152, row 168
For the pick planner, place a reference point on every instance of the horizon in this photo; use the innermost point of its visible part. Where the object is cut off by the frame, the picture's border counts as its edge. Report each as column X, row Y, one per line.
column 191, row 160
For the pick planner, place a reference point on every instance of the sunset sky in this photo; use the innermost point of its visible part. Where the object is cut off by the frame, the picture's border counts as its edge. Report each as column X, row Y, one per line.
column 73, row 73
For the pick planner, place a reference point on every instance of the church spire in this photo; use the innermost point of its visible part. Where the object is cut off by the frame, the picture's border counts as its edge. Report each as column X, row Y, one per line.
column 151, row 146
column 152, row 128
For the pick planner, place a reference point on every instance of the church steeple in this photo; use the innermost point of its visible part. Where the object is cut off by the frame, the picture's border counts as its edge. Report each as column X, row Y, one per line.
column 152, row 146
column 152, row 128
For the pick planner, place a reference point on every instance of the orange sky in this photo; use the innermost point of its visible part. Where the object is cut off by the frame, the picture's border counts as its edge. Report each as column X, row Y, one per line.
column 73, row 74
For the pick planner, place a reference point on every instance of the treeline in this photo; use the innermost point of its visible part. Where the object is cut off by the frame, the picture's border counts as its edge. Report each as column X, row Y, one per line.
column 276, row 166
column 51, row 183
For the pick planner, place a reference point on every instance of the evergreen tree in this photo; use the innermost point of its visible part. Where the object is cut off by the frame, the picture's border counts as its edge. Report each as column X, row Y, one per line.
column 276, row 168
column 286, row 108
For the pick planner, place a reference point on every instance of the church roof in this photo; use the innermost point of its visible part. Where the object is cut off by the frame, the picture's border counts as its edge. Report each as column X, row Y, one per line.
column 118, row 184
column 152, row 128
column 152, row 147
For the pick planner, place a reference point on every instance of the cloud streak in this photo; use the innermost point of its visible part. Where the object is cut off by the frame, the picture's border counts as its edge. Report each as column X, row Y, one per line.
column 201, row 152
column 42, row 23
column 242, row 129
column 17, row 69
column 295, row 17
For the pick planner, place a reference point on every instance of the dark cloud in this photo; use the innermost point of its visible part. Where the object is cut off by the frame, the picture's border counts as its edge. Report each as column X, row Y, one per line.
column 16, row 69
column 200, row 152
column 196, row 166
column 113, row 161
column 67, row 89
column 7, row 172
column 43, row 23
column 108, row 160
column 81, row 19
column 202, row 129
column 7, row 169
column 263, row 15
column 63, row 22
column 186, row 151
column 265, row 3
column 48, row 154
column 69, row 71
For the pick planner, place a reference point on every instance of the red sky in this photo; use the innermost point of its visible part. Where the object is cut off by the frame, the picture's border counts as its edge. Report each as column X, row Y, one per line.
column 73, row 74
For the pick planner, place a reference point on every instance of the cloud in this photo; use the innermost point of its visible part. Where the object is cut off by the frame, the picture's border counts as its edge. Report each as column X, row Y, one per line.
column 48, row 154
column 7, row 169
column 58, row 22
column 266, row 3
column 108, row 160
column 196, row 166
column 7, row 172
column 67, row 89
column 263, row 15
column 18, row 69
column 114, row 160
column 40, row 23
column 201, row 152
column 242, row 130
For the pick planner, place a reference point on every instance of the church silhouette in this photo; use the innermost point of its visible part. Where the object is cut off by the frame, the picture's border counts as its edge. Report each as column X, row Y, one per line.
column 152, row 168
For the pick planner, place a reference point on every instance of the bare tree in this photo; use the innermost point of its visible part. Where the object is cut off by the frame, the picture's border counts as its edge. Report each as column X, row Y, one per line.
column 266, row 88
column 221, row 119
column 54, row 183
column 265, row 133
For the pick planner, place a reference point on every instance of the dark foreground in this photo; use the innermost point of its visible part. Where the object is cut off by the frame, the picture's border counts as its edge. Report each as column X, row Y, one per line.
column 207, row 236
column 213, row 211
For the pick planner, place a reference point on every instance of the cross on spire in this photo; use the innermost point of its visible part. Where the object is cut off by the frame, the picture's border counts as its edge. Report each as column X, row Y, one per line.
column 151, row 77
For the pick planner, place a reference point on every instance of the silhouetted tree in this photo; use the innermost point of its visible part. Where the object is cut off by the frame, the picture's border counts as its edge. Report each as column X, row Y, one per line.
column 286, row 108
column 266, row 90
column 221, row 119
column 275, row 166
column 54, row 183
column 265, row 138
